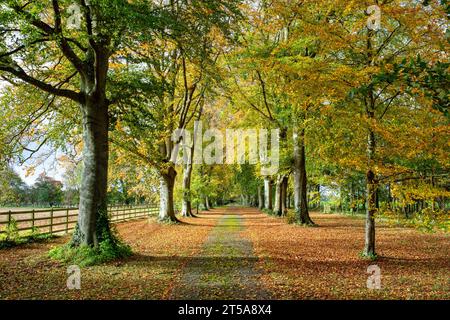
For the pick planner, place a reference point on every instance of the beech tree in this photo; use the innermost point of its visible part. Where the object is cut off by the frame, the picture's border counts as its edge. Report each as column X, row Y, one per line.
column 362, row 53
column 65, row 48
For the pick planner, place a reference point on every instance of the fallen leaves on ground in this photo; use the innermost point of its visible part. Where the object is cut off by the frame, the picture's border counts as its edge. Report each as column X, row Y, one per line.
column 294, row 262
column 160, row 252
column 323, row 262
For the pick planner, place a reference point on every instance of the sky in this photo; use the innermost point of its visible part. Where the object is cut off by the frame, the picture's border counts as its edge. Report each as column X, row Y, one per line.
column 50, row 166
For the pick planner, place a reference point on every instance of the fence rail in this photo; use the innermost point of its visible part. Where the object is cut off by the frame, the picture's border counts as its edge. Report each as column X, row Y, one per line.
column 63, row 220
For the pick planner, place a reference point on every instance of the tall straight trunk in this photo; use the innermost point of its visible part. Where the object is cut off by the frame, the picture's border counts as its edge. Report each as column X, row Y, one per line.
column 300, row 179
column 277, row 204
column 206, row 203
column 433, row 184
column 209, row 203
column 390, row 199
column 166, row 204
column 318, row 197
column 280, row 195
column 288, row 200
column 369, row 248
column 93, row 224
column 268, row 193
column 186, row 210
column 371, row 182
column 283, row 195
column 260, row 198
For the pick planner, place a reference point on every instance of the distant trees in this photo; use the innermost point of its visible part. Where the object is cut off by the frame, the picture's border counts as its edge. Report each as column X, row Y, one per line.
column 47, row 190
column 13, row 188
column 15, row 192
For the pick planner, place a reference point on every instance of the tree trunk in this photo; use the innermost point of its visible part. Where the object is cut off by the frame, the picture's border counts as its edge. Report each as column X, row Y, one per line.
column 277, row 205
column 390, row 199
column 93, row 223
column 288, row 200
column 371, row 183
column 166, row 208
column 206, row 203
column 280, row 196
column 186, row 210
column 433, row 184
column 284, row 199
column 369, row 248
column 209, row 203
column 260, row 198
column 300, row 179
column 318, row 197
column 268, row 193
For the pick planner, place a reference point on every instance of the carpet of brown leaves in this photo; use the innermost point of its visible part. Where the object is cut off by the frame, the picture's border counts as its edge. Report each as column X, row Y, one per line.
column 161, row 251
column 323, row 262
column 294, row 262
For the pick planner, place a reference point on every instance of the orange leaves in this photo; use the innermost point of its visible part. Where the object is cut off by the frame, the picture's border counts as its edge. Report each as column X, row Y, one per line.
column 161, row 252
column 322, row 263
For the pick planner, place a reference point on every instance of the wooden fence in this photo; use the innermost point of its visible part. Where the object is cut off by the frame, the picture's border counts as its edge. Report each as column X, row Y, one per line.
column 62, row 220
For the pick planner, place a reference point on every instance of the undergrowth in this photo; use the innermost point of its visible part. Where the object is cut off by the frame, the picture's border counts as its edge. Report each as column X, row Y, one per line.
column 11, row 237
column 108, row 249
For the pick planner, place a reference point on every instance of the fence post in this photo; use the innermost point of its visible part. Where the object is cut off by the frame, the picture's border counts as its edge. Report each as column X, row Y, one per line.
column 67, row 221
column 51, row 222
column 8, row 234
column 9, row 223
column 32, row 218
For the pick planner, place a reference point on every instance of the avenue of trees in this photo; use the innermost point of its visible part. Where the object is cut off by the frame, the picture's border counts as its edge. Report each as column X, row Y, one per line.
column 360, row 102
column 15, row 192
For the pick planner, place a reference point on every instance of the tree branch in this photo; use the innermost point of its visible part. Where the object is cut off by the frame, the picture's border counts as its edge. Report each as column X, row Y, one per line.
column 50, row 31
column 17, row 71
